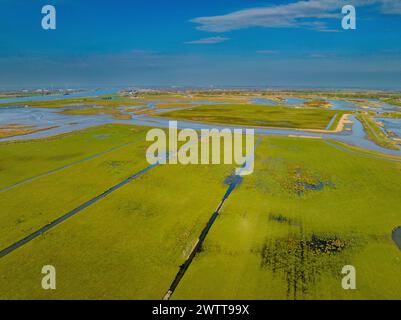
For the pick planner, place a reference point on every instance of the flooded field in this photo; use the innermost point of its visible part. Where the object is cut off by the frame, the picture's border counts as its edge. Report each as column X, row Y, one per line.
column 392, row 125
column 62, row 123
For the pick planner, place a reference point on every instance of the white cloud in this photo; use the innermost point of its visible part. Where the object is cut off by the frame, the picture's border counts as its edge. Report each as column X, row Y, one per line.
column 307, row 13
column 391, row 6
column 211, row 40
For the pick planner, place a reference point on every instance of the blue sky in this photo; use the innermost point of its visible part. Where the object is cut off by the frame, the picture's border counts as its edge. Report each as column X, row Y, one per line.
column 201, row 43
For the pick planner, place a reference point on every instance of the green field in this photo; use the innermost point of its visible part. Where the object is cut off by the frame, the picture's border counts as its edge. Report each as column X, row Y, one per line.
column 285, row 233
column 307, row 211
column 395, row 102
column 127, row 245
column 258, row 115
column 22, row 160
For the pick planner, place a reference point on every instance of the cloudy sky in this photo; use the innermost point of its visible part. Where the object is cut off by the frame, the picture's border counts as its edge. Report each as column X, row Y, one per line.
column 201, row 43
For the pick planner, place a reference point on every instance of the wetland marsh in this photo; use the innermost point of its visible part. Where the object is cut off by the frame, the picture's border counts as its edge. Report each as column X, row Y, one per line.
column 285, row 232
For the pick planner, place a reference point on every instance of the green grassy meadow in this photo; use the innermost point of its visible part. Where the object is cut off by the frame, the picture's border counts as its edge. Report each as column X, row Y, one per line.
column 127, row 245
column 258, row 115
column 22, row 160
column 284, row 233
column 280, row 238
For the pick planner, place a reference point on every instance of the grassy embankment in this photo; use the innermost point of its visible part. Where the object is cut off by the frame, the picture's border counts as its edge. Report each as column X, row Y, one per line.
column 393, row 115
column 318, row 103
column 114, row 112
column 395, row 102
column 374, row 133
column 259, row 115
column 103, row 101
column 12, row 130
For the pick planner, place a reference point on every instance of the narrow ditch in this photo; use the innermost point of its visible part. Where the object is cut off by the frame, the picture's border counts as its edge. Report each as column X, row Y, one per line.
column 83, row 206
column 235, row 181
column 331, row 121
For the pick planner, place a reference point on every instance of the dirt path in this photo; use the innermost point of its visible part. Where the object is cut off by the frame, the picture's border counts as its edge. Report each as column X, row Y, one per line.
column 341, row 124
